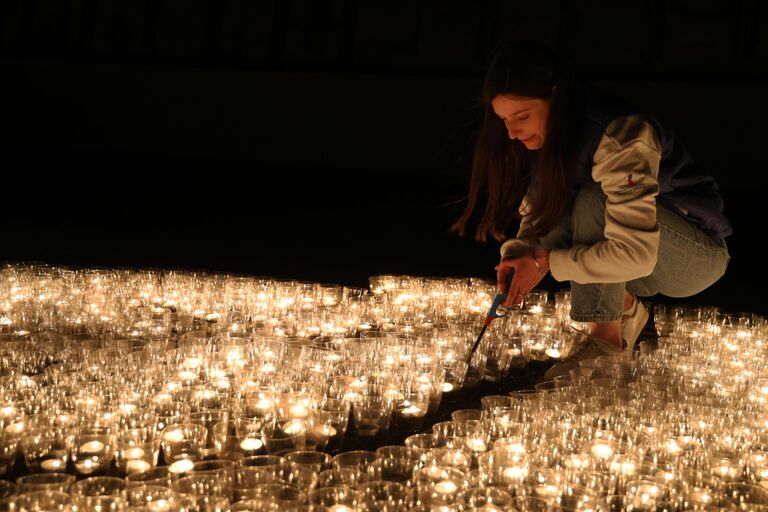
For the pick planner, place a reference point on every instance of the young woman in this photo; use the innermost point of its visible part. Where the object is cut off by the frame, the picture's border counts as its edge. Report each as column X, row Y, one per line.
column 608, row 199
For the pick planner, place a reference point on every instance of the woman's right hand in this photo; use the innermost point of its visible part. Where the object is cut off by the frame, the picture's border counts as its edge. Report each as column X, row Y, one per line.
column 527, row 277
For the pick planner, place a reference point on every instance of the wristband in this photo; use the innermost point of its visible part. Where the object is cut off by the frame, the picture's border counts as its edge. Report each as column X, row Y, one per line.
column 537, row 264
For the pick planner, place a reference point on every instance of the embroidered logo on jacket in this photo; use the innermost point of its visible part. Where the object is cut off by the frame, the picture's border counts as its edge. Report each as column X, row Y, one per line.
column 630, row 184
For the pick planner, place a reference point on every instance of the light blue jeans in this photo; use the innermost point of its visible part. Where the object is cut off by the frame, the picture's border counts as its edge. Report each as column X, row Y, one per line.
column 689, row 260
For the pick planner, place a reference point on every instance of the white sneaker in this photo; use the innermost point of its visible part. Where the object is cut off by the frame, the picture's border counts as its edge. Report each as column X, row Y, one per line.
column 589, row 348
column 632, row 323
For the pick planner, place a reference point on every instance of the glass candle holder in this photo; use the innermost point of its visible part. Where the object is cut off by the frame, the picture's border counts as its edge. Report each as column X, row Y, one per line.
column 45, row 446
column 396, row 463
column 159, row 475
column 438, row 486
column 93, row 451
column 38, row 500
column 410, row 412
column 316, row 461
column 284, row 436
column 182, row 445
column 99, row 493
column 362, row 460
column 60, row 482
column 381, row 495
column 336, row 498
column 372, row 416
column 137, row 450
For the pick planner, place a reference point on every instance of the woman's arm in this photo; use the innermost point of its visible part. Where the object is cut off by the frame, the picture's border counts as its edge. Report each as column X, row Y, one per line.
column 525, row 241
column 626, row 165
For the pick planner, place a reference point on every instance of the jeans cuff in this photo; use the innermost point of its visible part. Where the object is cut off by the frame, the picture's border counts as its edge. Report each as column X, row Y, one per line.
column 596, row 317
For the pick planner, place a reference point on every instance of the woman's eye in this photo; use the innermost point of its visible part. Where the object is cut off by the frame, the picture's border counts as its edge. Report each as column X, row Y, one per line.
column 522, row 118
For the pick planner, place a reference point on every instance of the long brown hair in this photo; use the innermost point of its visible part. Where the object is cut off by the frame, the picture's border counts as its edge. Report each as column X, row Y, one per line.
column 501, row 168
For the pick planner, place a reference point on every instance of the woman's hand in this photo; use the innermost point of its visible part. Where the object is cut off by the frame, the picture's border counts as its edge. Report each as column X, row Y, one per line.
column 527, row 277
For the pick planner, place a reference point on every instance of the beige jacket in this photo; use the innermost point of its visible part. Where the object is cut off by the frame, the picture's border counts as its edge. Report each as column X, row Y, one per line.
column 626, row 165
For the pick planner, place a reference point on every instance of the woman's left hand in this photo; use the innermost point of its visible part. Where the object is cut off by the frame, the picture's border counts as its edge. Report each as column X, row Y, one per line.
column 527, row 277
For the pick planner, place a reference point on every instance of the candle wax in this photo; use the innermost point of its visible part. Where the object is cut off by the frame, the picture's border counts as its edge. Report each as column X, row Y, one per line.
column 602, row 451
column 92, row 447
column 294, row 427
column 137, row 466
column 52, row 465
column 445, row 487
column 251, row 444
column 181, row 466
column 134, row 453
column 174, row 436
column 514, row 473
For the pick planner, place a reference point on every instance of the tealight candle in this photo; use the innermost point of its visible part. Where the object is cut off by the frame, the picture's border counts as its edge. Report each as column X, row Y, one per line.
column 181, row 466
column 87, row 466
column 293, row 427
column 298, row 411
column 601, row 450
column 456, row 458
column 476, row 444
column 514, row 473
column 251, row 444
column 448, row 387
column 328, row 431
column 445, row 487
column 411, row 410
column 174, row 436
column 52, row 465
column 137, row 466
column 134, row 453
column 92, row 447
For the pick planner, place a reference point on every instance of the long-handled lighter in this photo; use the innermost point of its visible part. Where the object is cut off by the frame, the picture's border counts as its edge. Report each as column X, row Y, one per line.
column 492, row 313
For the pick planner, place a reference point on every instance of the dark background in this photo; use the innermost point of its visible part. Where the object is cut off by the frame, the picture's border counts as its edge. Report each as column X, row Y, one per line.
column 325, row 140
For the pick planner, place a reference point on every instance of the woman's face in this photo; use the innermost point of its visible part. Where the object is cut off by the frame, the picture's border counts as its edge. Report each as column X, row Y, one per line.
column 524, row 118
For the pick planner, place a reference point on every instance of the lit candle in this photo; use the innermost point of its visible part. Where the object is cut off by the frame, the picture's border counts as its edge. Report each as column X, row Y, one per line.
column 447, row 387
column 328, row 431
column 456, row 458
column 294, row 427
column 434, row 472
column 339, row 508
column 134, row 453
column 701, row 497
column 476, row 444
column 15, row 428
column 174, row 436
column 410, row 410
column 298, row 411
column 515, row 473
column 601, row 450
column 549, row 490
column 251, row 444
column 52, row 465
column 192, row 363
column 87, row 466
column 137, row 466
column 92, row 447
column 264, row 404
column 158, row 506
column 181, row 466
column 553, row 353
column 445, row 487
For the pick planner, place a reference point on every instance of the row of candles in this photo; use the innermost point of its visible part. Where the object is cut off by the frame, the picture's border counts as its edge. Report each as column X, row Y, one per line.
column 160, row 377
